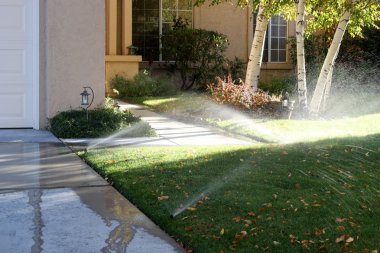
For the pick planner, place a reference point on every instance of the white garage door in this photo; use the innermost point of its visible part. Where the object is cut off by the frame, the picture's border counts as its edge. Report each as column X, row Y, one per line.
column 18, row 70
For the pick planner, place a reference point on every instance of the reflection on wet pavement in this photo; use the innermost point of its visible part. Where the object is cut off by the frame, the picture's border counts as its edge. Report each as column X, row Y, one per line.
column 50, row 201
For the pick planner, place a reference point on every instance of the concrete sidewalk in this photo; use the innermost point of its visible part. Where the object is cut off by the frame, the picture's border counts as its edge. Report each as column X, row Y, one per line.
column 169, row 133
column 51, row 201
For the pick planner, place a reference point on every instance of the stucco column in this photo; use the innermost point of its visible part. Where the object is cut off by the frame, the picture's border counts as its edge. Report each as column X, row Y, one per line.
column 126, row 36
column 112, row 27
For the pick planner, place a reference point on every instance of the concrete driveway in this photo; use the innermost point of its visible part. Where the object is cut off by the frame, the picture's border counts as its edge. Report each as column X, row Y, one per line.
column 50, row 201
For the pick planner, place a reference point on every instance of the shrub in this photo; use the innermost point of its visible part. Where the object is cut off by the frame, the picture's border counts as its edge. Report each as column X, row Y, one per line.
column 101, row 122
column 241, row 96
column 280, row 84
column 236, row 68
column 197, row 54
column 143, row 84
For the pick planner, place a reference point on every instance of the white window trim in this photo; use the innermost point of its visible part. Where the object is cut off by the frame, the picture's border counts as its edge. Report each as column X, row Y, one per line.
column 269, row 36
column 36, row 63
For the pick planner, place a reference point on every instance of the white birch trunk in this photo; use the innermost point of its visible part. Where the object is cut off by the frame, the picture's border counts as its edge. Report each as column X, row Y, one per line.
column 328, row 64
column 257, row 48
column 327, row 90
column 301, row 69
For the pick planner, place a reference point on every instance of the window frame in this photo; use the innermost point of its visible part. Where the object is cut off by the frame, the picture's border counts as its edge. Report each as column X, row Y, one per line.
column 268, row 40
column 269, row 37
column 161, row 24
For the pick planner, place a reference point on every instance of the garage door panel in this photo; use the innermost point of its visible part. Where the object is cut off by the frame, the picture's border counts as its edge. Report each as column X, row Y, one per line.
column 12, row 105
column 17, row 60
column 12, row 61
column 14, row 17
column 16, row 63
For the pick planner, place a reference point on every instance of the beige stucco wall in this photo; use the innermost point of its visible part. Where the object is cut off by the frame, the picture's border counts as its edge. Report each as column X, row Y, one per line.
column 229, row 20
column 72, row 38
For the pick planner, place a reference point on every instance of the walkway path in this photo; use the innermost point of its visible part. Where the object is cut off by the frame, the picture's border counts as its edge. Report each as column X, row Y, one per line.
column 170, row 133
column 51, row 201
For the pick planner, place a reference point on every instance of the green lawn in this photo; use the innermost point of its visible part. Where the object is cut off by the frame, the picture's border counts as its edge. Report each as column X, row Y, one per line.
column 355, row 116
column 318, row 197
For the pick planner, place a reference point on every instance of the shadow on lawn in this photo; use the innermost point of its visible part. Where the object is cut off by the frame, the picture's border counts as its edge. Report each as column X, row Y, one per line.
column 286, row 198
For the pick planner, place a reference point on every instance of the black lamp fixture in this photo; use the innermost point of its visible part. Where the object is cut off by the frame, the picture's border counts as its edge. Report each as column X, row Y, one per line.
column 285, row 100
column 86, row 97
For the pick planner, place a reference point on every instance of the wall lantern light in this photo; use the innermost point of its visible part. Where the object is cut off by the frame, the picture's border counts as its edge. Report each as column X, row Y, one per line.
column 87, row 98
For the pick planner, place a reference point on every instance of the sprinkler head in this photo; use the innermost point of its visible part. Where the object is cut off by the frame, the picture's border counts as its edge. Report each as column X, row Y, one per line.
column 172, row 216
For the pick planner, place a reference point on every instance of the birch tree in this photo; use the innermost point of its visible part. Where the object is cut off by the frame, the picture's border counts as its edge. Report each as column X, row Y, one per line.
column 329, row 61
column 301, row 65
column 361, row 13
column 255, row 59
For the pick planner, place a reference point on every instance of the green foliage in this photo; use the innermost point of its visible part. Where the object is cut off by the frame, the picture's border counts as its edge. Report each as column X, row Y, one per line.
column 235, row 68
column 280, row 84
column 316, row 47
column 361, row 49
column 324, row 15
column 196, row 54
column 101, row 122
column 143, row 84
column 283, row 7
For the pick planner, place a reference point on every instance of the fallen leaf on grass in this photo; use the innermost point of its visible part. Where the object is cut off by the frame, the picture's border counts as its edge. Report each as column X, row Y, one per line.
column 236, row 218
column 344, row 238
column 340, row 239
column 110, row 162
column 222, row 231
column 340, row 228
column 340, row 220
column 189, row 228
column 319, row 232
column 251, row 214
column 293, row 239
column 192, row 209
column 241, row 235
column 306, row 243
column 161, row 198
column 248, row 222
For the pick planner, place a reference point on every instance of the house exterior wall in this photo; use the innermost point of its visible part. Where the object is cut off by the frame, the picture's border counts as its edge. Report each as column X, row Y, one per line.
column 72, row 53
column 237, row 24
column 229, row 20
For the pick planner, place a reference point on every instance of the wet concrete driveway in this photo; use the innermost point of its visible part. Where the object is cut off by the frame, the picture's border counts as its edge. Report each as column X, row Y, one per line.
column 50, row 201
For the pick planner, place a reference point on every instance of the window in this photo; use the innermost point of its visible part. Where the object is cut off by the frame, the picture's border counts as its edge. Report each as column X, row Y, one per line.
column 275, row 47
column 151, row 18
